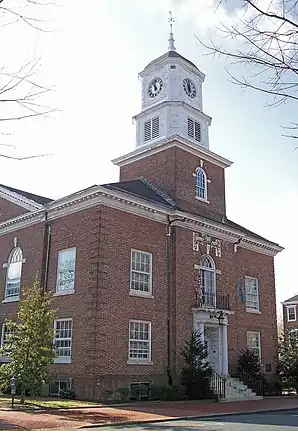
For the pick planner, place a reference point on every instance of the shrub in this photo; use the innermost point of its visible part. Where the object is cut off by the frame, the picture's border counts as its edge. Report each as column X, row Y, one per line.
column 67, row 394
column 123, row 394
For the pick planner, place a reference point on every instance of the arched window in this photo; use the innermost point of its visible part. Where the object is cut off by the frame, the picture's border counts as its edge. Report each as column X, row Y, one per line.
column 208, row 280
column 201, row 184
column 14, row 272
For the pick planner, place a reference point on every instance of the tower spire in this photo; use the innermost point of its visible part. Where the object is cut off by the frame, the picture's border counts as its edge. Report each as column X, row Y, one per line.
column 171, row 37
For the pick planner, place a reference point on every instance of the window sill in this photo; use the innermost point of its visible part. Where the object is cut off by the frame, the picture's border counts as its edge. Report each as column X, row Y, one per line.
column 291, row 320
column 139, row 362
column 141, row 295
column 202, row 200
column 62, row 293
column 63, row 360
column 7, row 300
column 252, row 310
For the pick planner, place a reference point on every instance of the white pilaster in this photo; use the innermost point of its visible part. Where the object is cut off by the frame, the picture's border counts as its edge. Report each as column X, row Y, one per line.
column 220, row 353
column 225, row 361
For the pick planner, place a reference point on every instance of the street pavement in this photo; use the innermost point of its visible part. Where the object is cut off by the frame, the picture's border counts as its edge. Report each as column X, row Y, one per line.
column 277, row 421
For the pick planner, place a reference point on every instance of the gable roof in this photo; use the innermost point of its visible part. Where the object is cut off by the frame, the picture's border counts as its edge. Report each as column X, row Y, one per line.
column 31, row 196
column 141, row 189
column 292, row 299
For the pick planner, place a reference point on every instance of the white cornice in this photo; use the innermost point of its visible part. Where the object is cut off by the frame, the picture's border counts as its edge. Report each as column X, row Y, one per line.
column 180, row 103
column 21, row 222
column 174, row 141
column 289, row 303
column 19, row 200
column 227, row 233
column 97, row 195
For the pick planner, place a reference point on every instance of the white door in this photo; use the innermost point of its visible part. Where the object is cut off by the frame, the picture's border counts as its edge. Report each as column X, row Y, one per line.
column 213, row 348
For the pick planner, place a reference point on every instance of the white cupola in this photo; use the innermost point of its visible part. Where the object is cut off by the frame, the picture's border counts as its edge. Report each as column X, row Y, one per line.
column 172, row 100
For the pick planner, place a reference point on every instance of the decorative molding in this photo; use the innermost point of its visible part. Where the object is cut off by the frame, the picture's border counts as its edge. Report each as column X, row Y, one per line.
column 177, row 141
column 160, row 192
column 204, row 239
column 19, row 200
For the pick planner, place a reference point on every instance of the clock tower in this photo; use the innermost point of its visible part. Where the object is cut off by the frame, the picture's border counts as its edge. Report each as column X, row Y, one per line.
column 172, row 100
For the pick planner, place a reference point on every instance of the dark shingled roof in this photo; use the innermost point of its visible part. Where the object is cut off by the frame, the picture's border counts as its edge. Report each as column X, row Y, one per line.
column 170, row 54
column 36, row 198
column 293, row 299
column 138, row 189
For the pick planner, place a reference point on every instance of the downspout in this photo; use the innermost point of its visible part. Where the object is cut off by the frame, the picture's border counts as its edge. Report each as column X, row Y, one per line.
column 170, row 299
column 46, row 252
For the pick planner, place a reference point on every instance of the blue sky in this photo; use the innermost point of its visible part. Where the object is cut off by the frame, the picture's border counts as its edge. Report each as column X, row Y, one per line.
column 94, row 59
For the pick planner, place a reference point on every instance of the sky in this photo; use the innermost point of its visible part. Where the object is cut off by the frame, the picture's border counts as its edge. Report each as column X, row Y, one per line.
column 91, row 56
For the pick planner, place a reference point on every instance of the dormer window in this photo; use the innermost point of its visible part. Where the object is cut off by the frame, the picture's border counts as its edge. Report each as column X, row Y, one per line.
column 151, row 129
column 194, row 129
column 201, row 184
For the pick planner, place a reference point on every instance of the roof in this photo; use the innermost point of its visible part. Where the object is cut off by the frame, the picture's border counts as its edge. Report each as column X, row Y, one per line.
column 170, row 54
column 292, row 299
column 142, row 189
column 36, row 198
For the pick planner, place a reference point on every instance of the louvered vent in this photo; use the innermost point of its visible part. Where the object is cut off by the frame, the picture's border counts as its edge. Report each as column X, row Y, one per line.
column 151, row 129
column 147, row 130
column 155, row 127
column 194, row 129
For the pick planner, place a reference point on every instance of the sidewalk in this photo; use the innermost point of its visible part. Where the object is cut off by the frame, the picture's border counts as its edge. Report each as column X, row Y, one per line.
column 75, row 418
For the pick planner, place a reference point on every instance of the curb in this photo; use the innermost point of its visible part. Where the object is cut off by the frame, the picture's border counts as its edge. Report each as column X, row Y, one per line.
column 181, row 418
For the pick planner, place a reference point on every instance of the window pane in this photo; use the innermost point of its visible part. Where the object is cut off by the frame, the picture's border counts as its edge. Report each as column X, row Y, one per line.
column 66, row 269
column 140, row 279
column 63, row 338
column 139, row 340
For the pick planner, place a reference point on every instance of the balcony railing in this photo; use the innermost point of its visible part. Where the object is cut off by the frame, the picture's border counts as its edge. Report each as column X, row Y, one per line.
column 213, row 300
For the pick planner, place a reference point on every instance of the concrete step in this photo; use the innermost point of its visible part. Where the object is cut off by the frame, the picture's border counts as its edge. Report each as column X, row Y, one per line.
column 241, row 398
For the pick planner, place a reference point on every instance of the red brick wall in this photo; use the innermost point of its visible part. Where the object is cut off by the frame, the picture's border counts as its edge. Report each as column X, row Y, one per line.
column 9, row 210
column 172, row 171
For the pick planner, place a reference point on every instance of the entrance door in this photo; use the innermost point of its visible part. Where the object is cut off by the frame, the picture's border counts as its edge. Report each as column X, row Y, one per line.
column 212, row 344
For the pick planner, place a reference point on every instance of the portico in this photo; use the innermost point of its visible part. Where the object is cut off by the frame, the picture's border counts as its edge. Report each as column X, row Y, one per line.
column 213, row 329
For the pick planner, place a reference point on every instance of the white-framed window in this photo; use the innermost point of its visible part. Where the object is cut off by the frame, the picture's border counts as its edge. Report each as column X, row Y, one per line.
column 201, row 184
column 194, row 129
column 291, row 313
column 207, row 281
column 66, row 268
column 141, row 272
column 254, row 342
column 63, row 340
column 5, row 341
column 252, row 294
column 139, row 341
column 13, row 275
column 151, row 129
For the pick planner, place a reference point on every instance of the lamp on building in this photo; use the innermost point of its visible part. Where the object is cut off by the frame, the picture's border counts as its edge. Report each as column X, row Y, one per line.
column 220, row 317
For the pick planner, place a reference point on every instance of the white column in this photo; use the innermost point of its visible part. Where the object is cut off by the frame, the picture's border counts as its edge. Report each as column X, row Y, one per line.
column 201, row 330
column 220, row 350
column 225, row 360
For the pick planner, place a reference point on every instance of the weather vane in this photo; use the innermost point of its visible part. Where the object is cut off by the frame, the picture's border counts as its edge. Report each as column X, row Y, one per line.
column 171, row 20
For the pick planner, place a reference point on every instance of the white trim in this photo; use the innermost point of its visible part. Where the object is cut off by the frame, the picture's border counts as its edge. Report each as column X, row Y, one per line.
column 140, row 361
column 63, row 359
column 295, row 312
column 205, row 199
column 249, row 309
column 158, row 63
column 59, row 254
column 63, row 293
column 10, row 299
column 173, row 141
column 139, row 292
column 19, row 200
column 140, row 295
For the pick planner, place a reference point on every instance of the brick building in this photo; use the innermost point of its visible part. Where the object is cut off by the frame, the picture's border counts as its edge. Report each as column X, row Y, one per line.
column 290, row 315
column 135, row 266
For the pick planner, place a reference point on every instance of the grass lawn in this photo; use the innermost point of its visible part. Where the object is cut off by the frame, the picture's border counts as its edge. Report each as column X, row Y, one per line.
column 45, row 402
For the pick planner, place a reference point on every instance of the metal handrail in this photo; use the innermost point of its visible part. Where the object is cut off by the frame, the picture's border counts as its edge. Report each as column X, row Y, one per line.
column 253, row 383
column 218, row 385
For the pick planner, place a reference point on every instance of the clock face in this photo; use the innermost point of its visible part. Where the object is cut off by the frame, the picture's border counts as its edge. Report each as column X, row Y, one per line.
column 155, row 87
column 189, row 88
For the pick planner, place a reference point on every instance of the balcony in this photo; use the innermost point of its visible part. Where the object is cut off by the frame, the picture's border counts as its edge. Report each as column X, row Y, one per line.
column 212, row 301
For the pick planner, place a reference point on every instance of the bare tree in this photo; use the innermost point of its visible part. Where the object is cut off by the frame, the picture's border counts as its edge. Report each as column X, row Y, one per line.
column 20, row 94
column 264, row 38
